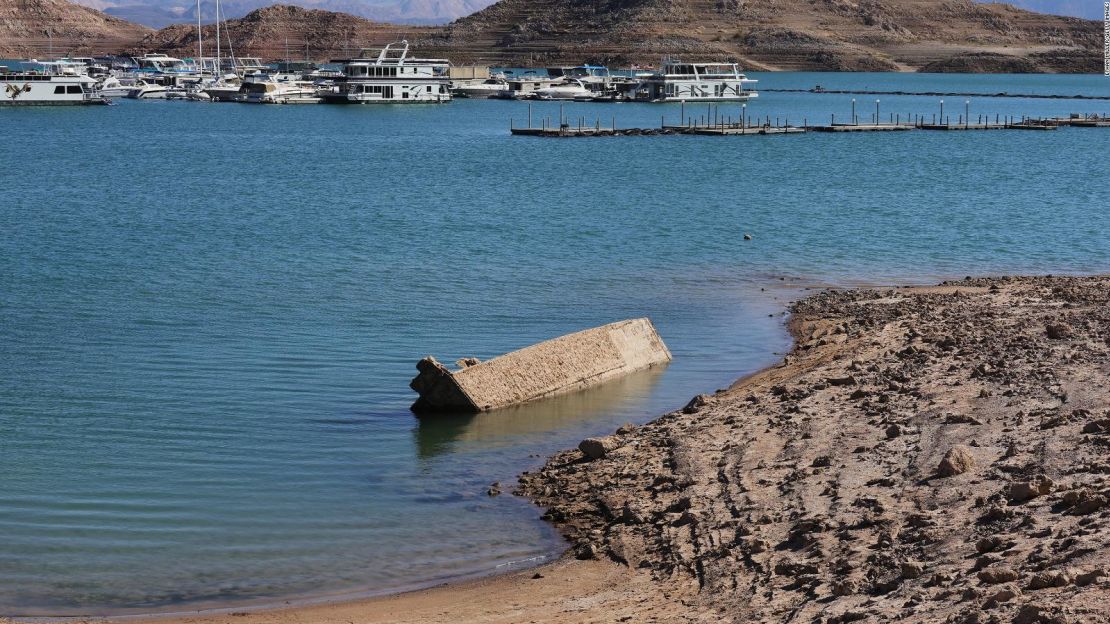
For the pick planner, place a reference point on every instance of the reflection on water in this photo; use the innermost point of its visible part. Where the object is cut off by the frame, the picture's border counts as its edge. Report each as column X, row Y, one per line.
column 439, row 433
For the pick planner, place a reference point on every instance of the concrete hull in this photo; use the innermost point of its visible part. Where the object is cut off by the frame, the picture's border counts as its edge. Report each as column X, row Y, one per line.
column 556, row 366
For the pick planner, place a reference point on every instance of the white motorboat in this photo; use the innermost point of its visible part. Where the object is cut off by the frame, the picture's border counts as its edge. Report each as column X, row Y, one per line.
column 571, row 89
column 224, row 90
column 144, row 90
column 272, row 90
column 481, row 88
column 116, row 87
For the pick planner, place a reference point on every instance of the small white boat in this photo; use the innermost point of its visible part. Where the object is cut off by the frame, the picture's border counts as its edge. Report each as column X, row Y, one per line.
column 114, row 87
column 572, row 89
column 223, row 90
column 144, row 90
column 271, row 90
column 487, row 88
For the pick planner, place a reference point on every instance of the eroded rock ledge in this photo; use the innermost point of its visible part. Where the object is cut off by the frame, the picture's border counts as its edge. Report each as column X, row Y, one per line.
column 923, row 455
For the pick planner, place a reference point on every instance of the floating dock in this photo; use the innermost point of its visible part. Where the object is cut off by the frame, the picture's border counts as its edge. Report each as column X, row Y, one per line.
column 862, row 128
column 989, row 126
column 729, row 128
column 571, row 362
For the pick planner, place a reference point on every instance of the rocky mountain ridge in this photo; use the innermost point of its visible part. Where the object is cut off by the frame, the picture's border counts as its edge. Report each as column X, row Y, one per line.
column 834, row 35
column 282, row 31
column 35, row 28
column 847, row 35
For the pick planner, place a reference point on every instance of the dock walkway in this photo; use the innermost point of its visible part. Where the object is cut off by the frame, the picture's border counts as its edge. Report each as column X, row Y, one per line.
column 737, row 129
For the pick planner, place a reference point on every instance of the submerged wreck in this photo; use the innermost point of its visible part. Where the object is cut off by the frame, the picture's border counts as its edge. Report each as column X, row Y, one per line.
column 555, row 366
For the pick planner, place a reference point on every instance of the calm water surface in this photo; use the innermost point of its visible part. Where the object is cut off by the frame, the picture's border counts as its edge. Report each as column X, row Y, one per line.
column 209, row 314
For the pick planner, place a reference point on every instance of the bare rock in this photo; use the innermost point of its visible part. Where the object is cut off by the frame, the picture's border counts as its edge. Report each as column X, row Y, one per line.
column 1045, row 580
column 1058, row 331
column 1022, row 491
column 756, row 546
column 912, row 569
column 1086, row 578
column 1037, row 614
column 585, row 550
column 988, row 544
column 997, row 574
column 596, row 448
column 696, row 404
column 1097, row 426
column 1083, row 501
column 1004, row 594
column 957, row 460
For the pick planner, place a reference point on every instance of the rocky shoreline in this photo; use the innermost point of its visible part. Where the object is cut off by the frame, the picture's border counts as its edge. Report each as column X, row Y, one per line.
column 927, row 454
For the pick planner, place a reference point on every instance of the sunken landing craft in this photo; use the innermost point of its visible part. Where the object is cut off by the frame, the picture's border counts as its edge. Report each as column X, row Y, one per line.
column 571, row 362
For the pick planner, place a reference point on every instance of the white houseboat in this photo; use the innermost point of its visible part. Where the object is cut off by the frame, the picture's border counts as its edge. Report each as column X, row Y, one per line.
column 390, row 77
column 695, row 82
column 51, row 84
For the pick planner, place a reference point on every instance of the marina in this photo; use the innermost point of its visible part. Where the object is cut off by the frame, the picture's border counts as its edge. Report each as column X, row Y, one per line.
column 391, row 75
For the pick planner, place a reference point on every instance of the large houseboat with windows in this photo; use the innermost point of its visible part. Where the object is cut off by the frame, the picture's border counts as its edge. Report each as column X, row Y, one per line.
column 391, row 76
column 50, row 83
column 695, row 82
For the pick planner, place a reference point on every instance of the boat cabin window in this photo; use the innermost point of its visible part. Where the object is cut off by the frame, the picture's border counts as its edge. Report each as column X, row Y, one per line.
column 384, row 91
column 376, row 71
column 73, row 89
column 59, row 89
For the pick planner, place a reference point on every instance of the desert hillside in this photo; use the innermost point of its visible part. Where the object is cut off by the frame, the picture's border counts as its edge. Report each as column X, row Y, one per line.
column 32, row 28
column 844, row 35
column 271, row 31
column 776, row 34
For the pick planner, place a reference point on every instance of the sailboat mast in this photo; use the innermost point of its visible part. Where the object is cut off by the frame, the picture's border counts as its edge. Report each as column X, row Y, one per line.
column 219, row 64
column 200, row 41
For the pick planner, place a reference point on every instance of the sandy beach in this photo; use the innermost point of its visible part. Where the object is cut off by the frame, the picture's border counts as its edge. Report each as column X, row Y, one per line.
column 923, row 455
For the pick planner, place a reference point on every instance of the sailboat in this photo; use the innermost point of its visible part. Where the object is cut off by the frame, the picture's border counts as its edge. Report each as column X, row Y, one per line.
column 226, row 87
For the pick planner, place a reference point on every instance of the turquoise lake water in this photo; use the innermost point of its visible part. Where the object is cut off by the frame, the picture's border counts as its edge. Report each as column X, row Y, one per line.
column 209, row 314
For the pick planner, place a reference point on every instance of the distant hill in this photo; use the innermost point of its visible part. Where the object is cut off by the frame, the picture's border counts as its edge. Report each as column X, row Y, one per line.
column 1087, row 9
column 32, row 28
column 161, row 13
column 849, row 35
column 846, row 35
column 266, row 33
